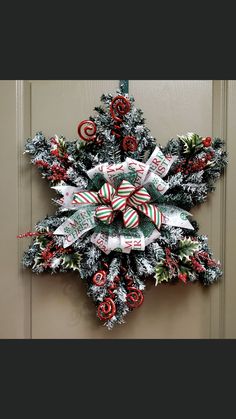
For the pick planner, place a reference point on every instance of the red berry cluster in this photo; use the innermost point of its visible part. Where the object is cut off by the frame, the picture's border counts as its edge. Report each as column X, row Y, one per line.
column 28, row 234
column 42, row 163
column 173, row 265
column 183, row 277
column 204, row 256
column 33, row 234
column 196, row 265
column 170, row 262
column 56, row 153
column 59, row 173
column 48, row 254
column 59, row 152
column 191, row 166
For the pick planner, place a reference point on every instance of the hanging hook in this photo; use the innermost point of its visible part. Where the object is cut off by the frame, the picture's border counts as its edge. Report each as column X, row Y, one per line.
column 124, row 86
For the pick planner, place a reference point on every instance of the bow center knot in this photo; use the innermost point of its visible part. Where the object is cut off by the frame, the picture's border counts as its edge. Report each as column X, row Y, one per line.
column 126, row 199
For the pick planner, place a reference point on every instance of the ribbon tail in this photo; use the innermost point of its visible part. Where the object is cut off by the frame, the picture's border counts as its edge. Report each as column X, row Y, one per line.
column 175, row 216
column 86, row 197
column 67, row 193
column 75, row 226
column 130, row 217
column 101, row 241
column 119, row 243
column 159, row 163
column 152, row 212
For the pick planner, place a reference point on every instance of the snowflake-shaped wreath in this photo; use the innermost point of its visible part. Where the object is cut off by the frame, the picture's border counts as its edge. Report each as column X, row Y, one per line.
column 123, row 207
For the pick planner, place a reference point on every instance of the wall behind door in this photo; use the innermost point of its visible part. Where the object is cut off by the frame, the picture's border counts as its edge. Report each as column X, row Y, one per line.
column 49, row 306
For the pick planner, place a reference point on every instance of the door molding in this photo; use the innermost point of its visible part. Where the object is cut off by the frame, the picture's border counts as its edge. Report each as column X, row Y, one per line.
column 218, row 202
column 24, row 198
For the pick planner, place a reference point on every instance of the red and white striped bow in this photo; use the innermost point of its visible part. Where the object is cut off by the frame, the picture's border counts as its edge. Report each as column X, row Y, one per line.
column 127, row 198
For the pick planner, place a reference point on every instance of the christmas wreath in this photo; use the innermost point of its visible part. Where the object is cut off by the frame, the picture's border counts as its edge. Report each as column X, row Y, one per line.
column 123, row 206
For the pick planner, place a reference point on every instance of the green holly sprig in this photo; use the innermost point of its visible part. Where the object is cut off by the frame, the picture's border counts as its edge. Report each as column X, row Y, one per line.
column 192, row 142
column 179, row 263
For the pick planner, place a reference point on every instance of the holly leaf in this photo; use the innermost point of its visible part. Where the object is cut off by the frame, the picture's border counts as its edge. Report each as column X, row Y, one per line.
column 71, row 261
column 187, row 247
column 162, row 273
column 41, row 242
column 192, row 142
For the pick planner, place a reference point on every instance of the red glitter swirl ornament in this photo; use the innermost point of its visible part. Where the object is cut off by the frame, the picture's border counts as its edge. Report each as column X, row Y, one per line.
column 106, row 309
column 129, row 143
column 99, row 278
column 134, row 298
column 120, row 106
column 87, row 130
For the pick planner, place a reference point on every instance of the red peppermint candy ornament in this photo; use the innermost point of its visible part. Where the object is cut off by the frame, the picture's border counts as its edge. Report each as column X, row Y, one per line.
column 99, row 278
column 106, row 309
column 129, row 143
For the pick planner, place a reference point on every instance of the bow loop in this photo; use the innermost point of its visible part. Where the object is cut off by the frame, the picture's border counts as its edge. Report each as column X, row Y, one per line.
column 106, row 192
column 130, row 218
column 105, row 214
column 125, row 189
column 141, row 196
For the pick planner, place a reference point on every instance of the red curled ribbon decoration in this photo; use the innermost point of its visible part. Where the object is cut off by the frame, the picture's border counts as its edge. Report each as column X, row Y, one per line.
column 134, row 298
column 129, row 280
column 99, row 278
column 106, row 309
column 87, row 130
column 119, row 107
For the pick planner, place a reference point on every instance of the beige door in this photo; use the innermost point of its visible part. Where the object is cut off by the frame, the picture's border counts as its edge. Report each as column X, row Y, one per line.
column 57, row 306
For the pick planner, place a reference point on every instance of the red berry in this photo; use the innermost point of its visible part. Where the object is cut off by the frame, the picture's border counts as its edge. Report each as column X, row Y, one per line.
column 207, row 141
column 183, row 277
